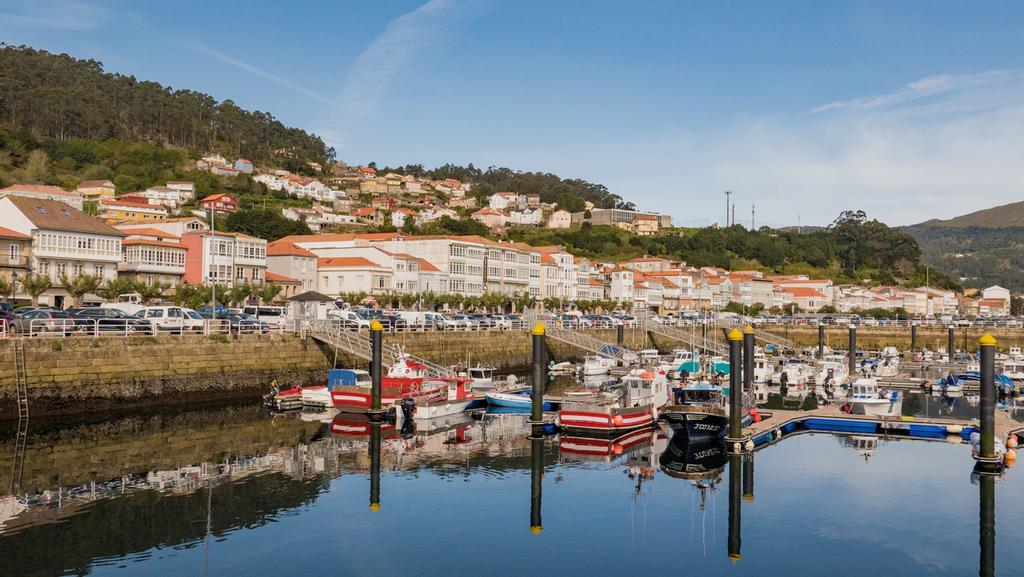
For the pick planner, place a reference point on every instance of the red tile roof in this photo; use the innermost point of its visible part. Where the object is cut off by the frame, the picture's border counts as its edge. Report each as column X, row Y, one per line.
column 145, row 232
column 346, row 262
column 802, row 291
column 285, row 248
column 40, row 188
column 8, row 233
column 274, row 277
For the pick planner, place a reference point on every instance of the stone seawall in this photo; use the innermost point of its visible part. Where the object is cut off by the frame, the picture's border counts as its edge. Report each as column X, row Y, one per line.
column 81, row 375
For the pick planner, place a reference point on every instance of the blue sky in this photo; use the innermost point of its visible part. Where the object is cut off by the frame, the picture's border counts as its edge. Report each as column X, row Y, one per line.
column 908, row 110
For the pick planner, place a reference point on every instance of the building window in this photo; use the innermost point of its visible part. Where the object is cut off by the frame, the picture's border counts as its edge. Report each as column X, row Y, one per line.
column 15, row 252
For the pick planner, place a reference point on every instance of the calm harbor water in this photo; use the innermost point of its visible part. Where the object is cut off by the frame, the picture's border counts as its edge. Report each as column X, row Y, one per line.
column 233, row 491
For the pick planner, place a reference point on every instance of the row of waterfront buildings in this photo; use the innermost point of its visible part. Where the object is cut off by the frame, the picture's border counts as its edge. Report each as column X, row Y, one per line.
column 49, row 237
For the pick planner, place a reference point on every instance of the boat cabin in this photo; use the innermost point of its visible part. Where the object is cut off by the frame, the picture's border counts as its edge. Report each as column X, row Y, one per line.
column 348, row 378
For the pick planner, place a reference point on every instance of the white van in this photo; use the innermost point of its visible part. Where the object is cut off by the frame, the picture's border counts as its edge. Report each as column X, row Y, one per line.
column 272, row 315
column 426, row 320
column 129, row 304
column 169, row 318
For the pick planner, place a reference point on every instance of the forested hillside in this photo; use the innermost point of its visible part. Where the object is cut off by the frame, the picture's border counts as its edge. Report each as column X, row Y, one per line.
column 61, row 97
column 853, row 249
column 570, row 194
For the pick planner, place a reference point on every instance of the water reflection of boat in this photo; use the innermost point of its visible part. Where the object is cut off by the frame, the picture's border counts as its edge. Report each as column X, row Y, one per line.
column 864, row 445
column 693, row 459
column 580, row 448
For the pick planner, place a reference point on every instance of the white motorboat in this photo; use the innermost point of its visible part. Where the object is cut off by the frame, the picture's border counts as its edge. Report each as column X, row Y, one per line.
column 1014, row 369
column 889, row 364
column 867, row 399
column 832, row 371
column 797, row 373
column 1016, row 353
column 481, row 378
column 763, row 368
column 562, row 368
column 597, row 365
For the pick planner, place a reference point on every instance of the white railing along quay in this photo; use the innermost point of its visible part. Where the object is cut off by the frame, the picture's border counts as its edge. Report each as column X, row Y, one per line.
column 558, row 331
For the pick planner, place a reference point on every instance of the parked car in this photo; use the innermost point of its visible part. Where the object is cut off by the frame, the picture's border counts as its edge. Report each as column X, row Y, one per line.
column 44, row 321
column 243, row 323
column 426, row 320
column 502, row 322
column 6, row 316
column 483, row 321
column 349, row 319
column 166, row 318
column 109, row 320
column 274, row 316
column 214, row 311
column 458, row 322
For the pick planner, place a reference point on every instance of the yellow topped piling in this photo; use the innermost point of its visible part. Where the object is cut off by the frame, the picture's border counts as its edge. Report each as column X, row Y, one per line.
column 374, row 507
column 748, row 330
column 538, row 329
column 987, row 340
column 376, row 326
column 735, row 335
column 536, row 529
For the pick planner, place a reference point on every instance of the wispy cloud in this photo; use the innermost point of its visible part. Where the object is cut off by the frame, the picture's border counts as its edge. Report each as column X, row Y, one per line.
column 51, row 14
column 941, row 94
column 394, row 50
column 276, row 79
column 223, row 58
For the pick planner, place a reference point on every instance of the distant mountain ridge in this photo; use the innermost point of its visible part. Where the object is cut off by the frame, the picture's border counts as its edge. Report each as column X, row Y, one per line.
column 982, row 248
column 1007, row 215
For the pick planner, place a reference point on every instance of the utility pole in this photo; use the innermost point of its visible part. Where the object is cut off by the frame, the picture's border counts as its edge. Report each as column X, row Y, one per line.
column 728, row 193
column 213, row 240
column 752, row 208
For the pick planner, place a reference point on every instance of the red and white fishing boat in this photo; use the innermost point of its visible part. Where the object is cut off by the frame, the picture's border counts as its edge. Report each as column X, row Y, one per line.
column 406, row 379
column 459, row 396
column 602, row 448
column 633, row 405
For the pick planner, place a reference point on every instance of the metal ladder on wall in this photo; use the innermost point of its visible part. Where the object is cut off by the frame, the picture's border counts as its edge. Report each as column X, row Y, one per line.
column 21, row 439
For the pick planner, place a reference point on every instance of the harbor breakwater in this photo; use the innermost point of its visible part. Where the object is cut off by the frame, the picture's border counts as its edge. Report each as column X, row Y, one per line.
column 82, row 375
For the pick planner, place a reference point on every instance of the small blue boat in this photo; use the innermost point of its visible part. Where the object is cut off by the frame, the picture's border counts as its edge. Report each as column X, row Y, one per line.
column 516, row 400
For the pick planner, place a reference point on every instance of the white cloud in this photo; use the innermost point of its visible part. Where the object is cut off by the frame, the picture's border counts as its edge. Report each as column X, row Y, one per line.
column 404, row 40
column 936, row 148
column 51, row 14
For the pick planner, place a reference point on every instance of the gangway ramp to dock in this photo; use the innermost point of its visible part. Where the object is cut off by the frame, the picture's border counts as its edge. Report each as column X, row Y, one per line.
column 687, row 337
column 357, row 343
column 769, row 338
column 584, row 341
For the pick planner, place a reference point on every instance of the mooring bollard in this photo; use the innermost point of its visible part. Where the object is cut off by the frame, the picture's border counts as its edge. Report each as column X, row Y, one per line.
column 853, row 351
column 536, row 482
column 620, row 334
column 913, row 337
column 376, row 369
column 748, row 359
column 950, row 344
column 735, row 504
column 735, row 394
column 988, row 396
column 748, row 476
column 987, row 521
column 539, row 376
column 375, row 466
column 821, row 340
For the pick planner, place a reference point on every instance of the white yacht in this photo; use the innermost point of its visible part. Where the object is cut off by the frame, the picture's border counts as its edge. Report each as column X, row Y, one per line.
column 597, row 365
column 867, row 399
column 1014, row 368
column 889, row 363
column 832, row 370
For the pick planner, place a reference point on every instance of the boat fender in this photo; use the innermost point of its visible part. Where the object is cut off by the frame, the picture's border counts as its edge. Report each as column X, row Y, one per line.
column 1010, row 455
column 1011, row 443
column 954, row 429
column 616, row 449
column 617, row 420
column 737, row 447
column 750, row 445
